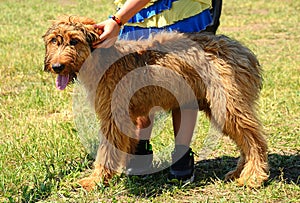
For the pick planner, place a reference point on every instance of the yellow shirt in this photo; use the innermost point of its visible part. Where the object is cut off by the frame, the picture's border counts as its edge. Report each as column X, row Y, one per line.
column 180, row 10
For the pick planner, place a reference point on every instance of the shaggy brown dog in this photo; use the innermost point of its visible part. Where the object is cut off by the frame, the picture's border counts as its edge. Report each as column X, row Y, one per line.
column 213, row 73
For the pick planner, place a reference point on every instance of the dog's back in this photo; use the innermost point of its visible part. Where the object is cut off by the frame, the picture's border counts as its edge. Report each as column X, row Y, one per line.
column 229, row 57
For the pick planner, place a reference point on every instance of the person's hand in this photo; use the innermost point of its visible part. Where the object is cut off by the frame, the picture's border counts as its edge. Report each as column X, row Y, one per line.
column 108, row 31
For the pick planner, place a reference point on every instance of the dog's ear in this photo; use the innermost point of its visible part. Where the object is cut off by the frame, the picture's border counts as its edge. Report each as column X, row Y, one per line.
column 91, row 33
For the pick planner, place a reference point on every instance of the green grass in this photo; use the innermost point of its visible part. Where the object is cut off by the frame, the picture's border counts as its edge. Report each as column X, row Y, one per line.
column 41, row 155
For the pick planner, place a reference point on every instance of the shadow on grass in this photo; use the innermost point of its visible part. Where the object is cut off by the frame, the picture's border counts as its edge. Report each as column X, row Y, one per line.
column 285, row 168
column 282, row 168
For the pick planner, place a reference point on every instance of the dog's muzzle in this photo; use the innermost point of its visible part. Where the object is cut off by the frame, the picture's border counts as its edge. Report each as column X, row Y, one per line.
column 57, row 67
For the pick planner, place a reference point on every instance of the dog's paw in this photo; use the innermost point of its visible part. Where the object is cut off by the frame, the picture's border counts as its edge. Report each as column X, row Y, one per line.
column 252, row 180
column 249, row 182
column 89, row 183
column 232, row 175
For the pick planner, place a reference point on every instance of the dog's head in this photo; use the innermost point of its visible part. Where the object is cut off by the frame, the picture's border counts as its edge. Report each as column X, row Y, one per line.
column 68, row 43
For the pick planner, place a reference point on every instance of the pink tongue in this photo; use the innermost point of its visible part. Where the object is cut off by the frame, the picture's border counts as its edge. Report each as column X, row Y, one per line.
column 62, row 81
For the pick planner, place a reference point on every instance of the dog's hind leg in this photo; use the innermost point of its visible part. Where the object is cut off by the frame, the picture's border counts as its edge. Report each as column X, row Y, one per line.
column 245, row 129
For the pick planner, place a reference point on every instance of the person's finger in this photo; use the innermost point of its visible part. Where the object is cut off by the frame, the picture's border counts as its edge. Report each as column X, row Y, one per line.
column 99, row 25
column 102, row 37
column 99, row 29
column 108, row 34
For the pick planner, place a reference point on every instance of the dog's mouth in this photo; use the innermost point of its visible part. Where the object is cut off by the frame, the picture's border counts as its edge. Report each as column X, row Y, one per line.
column 62, row 81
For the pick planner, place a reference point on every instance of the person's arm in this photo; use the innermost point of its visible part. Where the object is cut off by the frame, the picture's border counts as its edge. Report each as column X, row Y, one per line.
column 130, row 8
column 111, row 28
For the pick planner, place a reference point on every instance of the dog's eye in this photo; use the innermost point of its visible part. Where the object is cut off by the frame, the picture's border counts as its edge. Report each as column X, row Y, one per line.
column 53, row 40
column 73, row 42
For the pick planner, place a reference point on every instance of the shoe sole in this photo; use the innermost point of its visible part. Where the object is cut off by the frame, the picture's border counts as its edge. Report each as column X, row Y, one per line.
column 187, row 181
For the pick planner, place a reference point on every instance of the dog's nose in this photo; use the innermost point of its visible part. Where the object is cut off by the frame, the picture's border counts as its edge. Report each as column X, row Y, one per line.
column 57, row 67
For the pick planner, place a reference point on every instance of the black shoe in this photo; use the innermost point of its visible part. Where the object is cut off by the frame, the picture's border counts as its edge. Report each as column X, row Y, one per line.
column 182, row 169
column 141, row 161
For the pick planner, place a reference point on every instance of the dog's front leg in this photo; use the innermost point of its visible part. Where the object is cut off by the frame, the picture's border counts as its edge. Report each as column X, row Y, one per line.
column 111, row 155
column 105, row 166
column 100, row 174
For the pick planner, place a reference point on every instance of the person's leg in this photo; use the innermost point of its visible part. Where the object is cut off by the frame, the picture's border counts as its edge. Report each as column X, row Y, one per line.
column 184, row 121
column 141, row 162
column 144, row 125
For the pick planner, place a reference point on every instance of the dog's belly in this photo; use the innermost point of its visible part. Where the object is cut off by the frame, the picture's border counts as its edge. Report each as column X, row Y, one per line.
column 154, row 98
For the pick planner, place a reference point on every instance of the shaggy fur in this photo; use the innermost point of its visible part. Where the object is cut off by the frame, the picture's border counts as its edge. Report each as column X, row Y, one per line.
column 224, row 75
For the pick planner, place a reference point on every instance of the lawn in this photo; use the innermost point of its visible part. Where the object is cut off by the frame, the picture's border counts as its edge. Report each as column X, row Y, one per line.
column 42, row 155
